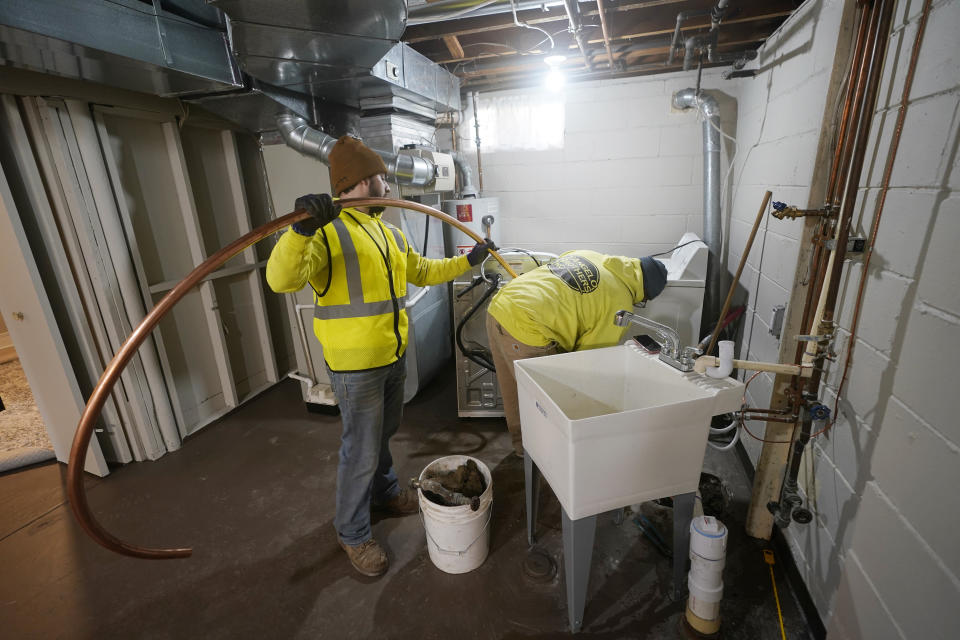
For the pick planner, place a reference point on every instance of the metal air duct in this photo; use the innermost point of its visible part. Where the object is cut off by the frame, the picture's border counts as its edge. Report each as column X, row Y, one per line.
column 132, row 45
column 344, row 51
column 712, row 232
column 246, row 60
column 406, row 169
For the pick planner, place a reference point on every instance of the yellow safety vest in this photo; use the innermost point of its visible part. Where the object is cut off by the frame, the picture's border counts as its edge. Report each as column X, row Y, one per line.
column 360, row 286
column 570, row 301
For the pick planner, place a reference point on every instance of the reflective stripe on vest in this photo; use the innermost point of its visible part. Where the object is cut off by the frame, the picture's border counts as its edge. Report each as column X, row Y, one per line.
column 399, row 238
column 359, row 309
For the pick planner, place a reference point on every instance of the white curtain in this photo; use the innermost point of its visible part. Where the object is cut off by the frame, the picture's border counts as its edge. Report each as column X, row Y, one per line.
column 518, row 122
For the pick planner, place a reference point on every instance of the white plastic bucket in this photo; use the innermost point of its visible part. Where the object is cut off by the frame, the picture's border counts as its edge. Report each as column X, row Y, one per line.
column 458, row 539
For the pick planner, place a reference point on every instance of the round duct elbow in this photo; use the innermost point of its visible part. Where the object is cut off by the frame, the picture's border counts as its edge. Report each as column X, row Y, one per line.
column 405, row 169
column 299, row 135
column 688, row 99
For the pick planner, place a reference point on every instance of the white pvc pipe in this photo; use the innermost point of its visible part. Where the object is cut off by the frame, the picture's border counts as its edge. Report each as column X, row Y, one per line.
column 296, row 376
column 729, row 445
column 726, row 361
column 725, row 429
column 708, row 549
column 305, row 343
column 810, row 352
column 701, row 364
column 419, row 296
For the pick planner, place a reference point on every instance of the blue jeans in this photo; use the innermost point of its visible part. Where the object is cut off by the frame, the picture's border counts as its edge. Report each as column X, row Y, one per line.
column 371, row 406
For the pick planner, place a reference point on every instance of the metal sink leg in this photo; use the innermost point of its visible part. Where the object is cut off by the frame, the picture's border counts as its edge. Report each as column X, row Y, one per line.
column 577, row 554
column 682, row 515
column 531, row 484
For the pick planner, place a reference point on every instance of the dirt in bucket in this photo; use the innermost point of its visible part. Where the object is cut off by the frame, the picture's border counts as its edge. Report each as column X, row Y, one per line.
column 467, row 479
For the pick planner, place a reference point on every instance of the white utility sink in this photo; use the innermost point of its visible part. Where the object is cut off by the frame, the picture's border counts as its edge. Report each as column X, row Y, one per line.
column 613, row 427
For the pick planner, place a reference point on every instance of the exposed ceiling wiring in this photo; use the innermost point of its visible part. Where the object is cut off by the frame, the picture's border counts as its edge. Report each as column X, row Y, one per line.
column 516, row 21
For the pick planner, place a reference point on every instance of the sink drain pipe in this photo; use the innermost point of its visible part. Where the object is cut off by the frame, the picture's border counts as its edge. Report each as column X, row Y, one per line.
column 708, row 552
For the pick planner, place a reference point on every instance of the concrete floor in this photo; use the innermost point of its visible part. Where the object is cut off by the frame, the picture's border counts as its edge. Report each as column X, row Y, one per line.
column 254, row 495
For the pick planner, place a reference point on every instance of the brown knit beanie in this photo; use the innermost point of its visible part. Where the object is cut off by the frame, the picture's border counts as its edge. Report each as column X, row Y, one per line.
column 352, row 161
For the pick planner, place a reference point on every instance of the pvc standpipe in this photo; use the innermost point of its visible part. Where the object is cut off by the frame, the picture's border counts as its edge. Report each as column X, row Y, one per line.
column 708, row 549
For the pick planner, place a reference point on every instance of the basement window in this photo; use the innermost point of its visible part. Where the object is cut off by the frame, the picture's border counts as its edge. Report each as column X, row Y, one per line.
column 518, row 122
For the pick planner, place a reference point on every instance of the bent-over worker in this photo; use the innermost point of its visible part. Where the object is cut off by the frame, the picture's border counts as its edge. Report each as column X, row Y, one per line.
column 566, row 305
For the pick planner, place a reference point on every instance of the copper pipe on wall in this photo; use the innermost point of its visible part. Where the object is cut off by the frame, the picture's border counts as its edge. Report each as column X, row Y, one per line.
column 852, row 110
column 774, row 461
column 859, row 153
column 848, row 176
column 880, row 26
column 602, row 10
column 78, row 452
column 884, row 187
column 855, row 63
column 851, row 141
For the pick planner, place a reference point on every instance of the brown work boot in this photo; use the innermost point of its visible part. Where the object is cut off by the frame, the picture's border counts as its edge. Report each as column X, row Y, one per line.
column 404, row 503
column 368, row 557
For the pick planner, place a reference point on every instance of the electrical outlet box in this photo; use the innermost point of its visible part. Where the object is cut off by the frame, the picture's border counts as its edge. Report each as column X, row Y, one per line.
column 856, row 244
column 776, row 320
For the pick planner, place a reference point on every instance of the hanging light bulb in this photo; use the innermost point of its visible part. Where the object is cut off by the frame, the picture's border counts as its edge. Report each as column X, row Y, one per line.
column 555, row 60
column 555, row 80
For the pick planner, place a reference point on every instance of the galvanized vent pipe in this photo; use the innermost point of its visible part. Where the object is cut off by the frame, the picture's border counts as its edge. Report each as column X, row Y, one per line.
column 576, row 28
column 712, row 232
column 405, row 169
column 467, row 188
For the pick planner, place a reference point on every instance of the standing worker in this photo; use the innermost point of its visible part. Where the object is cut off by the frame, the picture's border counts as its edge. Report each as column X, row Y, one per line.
column 358, row 267
column 567, row 305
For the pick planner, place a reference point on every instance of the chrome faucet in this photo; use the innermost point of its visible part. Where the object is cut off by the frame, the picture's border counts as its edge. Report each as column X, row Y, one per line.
column 670, row 351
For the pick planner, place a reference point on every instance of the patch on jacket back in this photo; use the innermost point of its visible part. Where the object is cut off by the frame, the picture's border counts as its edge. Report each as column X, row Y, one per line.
column 578, row 273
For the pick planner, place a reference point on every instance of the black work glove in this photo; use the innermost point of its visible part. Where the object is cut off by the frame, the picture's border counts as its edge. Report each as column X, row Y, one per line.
column 322, row 209
column 480, row 251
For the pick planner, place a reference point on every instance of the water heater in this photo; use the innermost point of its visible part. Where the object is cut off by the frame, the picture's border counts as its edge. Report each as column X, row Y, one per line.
column 481, row 215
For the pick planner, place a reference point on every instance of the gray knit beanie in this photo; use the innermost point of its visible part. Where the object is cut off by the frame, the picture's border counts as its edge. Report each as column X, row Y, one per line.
column 654, row 277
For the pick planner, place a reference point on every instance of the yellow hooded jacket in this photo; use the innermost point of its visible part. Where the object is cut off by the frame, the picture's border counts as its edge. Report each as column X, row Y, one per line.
column 360, row 286
column 570, row 301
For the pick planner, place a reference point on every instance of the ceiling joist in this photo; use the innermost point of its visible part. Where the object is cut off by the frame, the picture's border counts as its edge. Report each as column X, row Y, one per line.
column 622, row 38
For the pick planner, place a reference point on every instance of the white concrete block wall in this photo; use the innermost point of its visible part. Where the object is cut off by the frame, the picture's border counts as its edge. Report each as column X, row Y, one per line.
column 880, row 560
column 627, row 181
column 911, row 316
